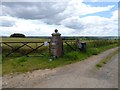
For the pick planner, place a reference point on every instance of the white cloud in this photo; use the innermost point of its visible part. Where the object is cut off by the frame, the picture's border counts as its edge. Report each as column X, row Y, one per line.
column 76, row 8
column 50, row 12
column 32, row 27
column 93, row 25
column 36, row 19
column 101, row 0
column 115, row 15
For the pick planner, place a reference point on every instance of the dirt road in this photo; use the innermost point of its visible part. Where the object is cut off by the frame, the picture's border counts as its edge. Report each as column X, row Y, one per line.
column 78, row 75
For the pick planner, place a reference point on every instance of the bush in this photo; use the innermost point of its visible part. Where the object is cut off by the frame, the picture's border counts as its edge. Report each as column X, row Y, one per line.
column 17, row 35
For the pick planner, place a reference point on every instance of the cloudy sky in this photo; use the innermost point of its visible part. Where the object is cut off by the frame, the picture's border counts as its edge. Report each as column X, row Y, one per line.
column 72, row 18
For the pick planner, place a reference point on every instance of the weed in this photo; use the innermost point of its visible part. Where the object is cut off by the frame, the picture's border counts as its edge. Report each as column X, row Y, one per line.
column 98, row 65
column 104, row 62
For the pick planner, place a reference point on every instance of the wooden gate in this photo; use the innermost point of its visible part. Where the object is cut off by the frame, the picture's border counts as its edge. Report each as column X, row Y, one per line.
column 23, row 44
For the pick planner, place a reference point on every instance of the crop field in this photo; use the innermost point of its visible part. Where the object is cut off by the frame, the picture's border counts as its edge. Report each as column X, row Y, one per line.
column 42, row 59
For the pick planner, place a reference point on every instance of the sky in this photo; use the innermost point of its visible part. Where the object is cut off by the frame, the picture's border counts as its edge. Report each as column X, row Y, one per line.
column 71, row 18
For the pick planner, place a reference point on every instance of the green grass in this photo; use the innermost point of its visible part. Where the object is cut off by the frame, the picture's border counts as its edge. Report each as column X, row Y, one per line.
column 105, row 60
column 25, row 64
column 22, row 64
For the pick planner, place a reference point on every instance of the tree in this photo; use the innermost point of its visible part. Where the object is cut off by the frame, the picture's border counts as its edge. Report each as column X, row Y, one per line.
column 17, row 35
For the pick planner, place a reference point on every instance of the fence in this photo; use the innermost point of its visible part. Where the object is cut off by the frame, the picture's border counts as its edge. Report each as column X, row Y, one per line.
column 16, row 47
column 26, row 48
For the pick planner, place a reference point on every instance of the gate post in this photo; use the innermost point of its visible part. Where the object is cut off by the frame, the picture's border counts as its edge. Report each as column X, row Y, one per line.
column 56, row 44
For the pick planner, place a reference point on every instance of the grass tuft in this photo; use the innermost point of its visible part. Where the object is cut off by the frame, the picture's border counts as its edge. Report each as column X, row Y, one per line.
column 98, row 65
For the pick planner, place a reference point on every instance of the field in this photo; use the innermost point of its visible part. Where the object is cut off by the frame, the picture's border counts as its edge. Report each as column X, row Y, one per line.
column 41, row 59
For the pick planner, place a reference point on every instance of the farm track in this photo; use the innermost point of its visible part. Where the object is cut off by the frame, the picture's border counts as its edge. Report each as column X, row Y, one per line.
column 82, row 74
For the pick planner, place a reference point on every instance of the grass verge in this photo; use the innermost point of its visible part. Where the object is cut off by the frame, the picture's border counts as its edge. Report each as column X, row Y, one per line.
column 105, row 60
column 28, row 64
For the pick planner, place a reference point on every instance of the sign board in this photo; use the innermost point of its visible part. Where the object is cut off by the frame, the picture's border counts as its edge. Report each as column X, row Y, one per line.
column 46, row 44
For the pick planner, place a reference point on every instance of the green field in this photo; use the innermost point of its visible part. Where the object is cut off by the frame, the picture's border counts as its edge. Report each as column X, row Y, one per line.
column 24, row 39
column 41, row 58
